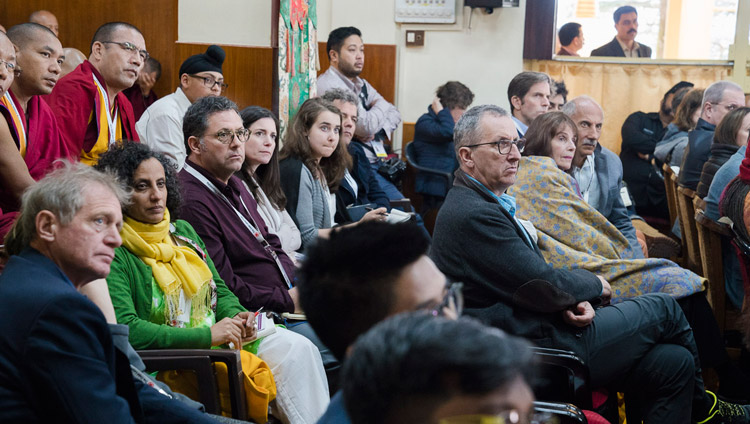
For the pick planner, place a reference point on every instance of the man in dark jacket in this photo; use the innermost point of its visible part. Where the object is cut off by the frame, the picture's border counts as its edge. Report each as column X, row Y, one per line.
column 719, row 99
column 624, row 44
column 640, row 133
column 642, row 346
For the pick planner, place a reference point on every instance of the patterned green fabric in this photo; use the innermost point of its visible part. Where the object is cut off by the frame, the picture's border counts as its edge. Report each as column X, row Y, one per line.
column 572, row 234
column 298, row 57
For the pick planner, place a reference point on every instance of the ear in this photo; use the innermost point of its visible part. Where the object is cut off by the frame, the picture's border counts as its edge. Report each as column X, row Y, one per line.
column 333, row 56
column 97, row 49
column 195, row 144
column 465, row 157
column 516, row 102
column 184, row 78
column 46, row 226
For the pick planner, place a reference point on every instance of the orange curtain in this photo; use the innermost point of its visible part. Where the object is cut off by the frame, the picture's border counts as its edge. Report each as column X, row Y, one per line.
column 622, row 89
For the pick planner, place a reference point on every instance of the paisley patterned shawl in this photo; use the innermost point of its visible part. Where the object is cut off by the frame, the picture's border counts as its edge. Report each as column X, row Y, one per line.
column 572, row 234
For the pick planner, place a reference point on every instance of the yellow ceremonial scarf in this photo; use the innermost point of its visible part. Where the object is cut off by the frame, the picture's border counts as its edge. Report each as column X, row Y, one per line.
column 16, row 122
column 174, row 267
column 102, row 140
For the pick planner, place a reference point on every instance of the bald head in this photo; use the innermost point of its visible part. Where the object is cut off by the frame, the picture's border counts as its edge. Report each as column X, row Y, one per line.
column 73, row 58
column 47, row 19
column 572, row 106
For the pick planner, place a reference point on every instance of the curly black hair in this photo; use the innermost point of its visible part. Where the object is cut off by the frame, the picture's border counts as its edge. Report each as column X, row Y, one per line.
column 124, row 158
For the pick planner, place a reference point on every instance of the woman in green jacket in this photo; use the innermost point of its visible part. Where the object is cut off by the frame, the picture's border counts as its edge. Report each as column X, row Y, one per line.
column 165, row 287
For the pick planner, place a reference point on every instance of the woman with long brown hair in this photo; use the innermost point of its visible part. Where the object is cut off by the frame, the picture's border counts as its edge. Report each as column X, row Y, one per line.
column 313, row 163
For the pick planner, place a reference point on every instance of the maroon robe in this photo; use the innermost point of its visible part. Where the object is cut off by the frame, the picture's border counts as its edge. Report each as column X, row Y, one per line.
column 139, row 103
column 44, row 146
column 75, row 98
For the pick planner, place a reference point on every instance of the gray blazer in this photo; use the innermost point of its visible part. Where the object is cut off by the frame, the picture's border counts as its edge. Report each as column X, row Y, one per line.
column 609, row 174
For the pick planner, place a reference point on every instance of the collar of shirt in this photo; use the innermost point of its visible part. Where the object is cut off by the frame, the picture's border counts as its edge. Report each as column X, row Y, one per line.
column 355, row 85
column 181, row 98
column 629, row 52
column 585, row 176
column 507, row 201
column 520, row 126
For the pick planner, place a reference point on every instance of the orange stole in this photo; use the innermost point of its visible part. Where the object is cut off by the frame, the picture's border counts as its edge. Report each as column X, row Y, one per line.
column 102, row 141
column 17, row 123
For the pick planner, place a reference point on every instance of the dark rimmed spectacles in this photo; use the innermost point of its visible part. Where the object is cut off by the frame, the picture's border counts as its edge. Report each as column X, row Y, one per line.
column 210, row 82
column 504, row 146
column 132, row 48
column 227, row 136
column 452, row 301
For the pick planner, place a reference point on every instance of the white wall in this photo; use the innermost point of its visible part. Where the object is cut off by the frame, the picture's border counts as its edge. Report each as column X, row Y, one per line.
column 228, row 22
column 485, row 57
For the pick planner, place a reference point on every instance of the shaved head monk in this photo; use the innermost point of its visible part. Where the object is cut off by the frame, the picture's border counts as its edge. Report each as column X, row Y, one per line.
column 73, row 58
column 29, row 138
column 92, row 113
column 45, row 18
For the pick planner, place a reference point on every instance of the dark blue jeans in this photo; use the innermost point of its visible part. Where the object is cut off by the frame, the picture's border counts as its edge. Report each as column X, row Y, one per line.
column 644, row 347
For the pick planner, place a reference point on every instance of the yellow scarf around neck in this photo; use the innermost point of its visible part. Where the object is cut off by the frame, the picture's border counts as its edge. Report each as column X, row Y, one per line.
column 173, row 267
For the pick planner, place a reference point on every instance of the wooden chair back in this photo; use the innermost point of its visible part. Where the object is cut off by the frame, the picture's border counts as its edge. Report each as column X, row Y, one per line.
column 670, row 184
column 689, row 230
column 710, row 234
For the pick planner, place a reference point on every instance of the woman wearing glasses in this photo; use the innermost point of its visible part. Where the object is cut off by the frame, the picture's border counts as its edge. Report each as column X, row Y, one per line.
column 313, row 162
column 165, row 288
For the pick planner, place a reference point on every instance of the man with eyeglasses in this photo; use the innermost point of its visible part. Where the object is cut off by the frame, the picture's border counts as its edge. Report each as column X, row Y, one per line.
column 92, row 113
column 414, row 368
column 225, row 215
column 363, row 274
column 719, row 99
column 161, row 124
column 642, row 346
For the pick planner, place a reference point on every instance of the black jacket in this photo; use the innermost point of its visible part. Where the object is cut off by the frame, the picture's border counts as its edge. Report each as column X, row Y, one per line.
column 696, row 154
column 613, row 49
column 507, row 282
column 720, row 153
column 640, row 133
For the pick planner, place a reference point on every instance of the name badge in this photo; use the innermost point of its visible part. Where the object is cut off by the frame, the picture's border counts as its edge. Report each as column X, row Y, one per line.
column 625, row 196
column 379, row 149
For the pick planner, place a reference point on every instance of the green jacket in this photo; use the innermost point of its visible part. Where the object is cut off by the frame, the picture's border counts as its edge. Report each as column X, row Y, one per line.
column 130, row 288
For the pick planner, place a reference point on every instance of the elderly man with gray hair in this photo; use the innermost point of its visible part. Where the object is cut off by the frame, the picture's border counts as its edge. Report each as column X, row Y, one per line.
column 719, row 99
column 643, row 346
column 59, row 362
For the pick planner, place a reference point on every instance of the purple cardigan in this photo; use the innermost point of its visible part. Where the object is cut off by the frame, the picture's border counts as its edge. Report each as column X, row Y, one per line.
column 245, row 266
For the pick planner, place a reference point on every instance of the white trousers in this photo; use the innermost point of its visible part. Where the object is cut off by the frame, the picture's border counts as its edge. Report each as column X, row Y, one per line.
column 301, row 385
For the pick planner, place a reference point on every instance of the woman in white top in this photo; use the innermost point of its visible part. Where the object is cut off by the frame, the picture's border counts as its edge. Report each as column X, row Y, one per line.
column 261, row 174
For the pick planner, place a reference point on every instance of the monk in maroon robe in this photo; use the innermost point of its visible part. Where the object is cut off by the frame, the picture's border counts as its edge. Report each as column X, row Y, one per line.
column 92, row 113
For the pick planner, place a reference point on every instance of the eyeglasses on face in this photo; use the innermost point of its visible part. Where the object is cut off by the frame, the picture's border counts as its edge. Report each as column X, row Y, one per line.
column 506, row 417
column 453, row 301
column 504, row 146
column 10, row 66
column 130, row 47
column 227, row 136
column 728, row 107
column 210, row 82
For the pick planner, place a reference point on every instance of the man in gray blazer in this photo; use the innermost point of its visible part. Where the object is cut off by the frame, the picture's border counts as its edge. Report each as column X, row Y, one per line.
column 598, row 172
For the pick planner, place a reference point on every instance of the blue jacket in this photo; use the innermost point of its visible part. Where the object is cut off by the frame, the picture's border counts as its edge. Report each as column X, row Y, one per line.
column 433, row 143
column 609, row 174
column 58, row 362
column 696, row 154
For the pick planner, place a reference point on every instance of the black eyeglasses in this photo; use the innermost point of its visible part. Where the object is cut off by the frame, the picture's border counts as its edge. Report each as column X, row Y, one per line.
column 452, row 301
column 210, row 82
column 132, row 48
column 504, row 146
column 227, row 136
